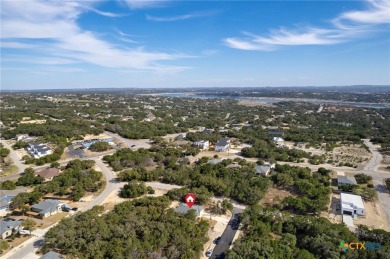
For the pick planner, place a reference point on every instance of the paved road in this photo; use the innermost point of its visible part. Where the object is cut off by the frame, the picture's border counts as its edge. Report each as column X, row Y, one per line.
column 228, row 235
column 14, row 156
column 28, row 247
column 137, row 143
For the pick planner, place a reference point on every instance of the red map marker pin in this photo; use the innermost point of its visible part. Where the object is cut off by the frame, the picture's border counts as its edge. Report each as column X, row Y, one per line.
column 190, row 199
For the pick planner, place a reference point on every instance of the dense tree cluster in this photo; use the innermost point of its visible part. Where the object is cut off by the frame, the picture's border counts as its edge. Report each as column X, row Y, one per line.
column 362, row 178
column 142, row 228
column 77, row 179
column 135, row 189
column 271, row 234
column 29, row 178
column 4, row 152
column 7, row 185
column 100, row 146
column 312, row 188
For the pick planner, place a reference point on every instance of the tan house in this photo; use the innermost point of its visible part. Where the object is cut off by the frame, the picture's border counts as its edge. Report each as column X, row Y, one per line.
column 49, row 173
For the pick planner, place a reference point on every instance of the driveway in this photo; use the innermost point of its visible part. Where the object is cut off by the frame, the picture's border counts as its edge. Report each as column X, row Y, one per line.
column 228, row 235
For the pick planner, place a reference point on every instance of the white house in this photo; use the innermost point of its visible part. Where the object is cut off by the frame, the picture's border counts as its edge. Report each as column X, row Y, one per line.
column 263, row 170
column 352, row 205
column 8, row 227
column 278, row 141
column 202, row 144
column 223, row 145
column 38, row 149
column 47, row 207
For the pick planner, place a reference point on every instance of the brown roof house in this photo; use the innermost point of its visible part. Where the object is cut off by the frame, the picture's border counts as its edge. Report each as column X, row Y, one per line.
column 49, row 173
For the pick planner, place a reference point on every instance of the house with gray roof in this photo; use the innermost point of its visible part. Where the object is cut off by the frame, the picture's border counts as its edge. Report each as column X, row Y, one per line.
column 346, row 180
column 223, row 145
column 8, row 227
column 51, row 255
column 47, row 207
column 263, row 170
column 202, row 144
column 38, row 149
column 6, row 196
column 183, row 208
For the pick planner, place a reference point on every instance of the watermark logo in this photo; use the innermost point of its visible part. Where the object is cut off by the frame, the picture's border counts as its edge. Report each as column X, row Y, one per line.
column 343, row 246
column 359, row 246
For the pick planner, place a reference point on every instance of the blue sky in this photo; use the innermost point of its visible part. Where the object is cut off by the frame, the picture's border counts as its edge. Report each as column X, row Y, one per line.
column 135, row 43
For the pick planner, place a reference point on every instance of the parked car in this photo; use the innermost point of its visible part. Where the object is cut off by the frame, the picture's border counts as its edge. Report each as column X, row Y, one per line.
column 75, row 209
column 209, row 252
column 217, row 240
column 132, row 145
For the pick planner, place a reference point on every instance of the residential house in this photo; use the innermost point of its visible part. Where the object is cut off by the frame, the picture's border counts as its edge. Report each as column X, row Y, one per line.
column 223, row 145
column 275, row 133
column 214, row 161
column 263, row 170
column 202, row 144
column 8, row 227
column 51, row 255
column 49, row 173
column 47, row 207
column 351, row 205
column 183, row 208
column 278, row 141
column 208, row 131
column 6, row 196
column 38, row 149
column 346, row 180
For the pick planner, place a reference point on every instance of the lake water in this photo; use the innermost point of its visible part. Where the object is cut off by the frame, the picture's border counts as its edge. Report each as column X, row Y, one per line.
column 276, row 100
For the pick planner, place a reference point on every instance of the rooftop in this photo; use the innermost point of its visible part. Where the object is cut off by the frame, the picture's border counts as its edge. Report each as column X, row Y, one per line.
column 183, row 208
column 356, row 200
column 49, row 173
column 346, row 179
column 223, row 142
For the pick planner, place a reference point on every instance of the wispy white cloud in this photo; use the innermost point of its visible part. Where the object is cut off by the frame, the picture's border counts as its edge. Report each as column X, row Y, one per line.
column 55, row 23
column 143, row 4
column 343, row 28
column 178, row 17
column 102, row 13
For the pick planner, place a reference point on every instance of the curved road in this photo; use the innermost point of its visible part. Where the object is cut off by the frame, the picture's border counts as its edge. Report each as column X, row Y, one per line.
column 27, row 248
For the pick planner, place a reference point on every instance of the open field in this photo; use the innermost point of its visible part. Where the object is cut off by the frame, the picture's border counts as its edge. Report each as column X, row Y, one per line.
column 274, row 196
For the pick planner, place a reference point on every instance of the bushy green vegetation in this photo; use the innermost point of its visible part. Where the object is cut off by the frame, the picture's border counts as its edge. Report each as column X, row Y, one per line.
column 142, row 228
column 100, row 146
column 7, row 185
column 29, row 178
column 135, row 189
column 4, row 152
column 271, row 234
column 362, row 178
column 77, row 179
column 312, row 188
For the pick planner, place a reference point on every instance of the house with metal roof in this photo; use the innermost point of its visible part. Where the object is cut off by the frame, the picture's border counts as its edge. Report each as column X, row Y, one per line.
column 346, row 180
column 263, row 170
column 183, row 208
column 223, row 145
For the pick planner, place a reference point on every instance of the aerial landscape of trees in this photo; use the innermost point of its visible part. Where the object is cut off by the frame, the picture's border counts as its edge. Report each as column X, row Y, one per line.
column 271, row 234
column 142, row 228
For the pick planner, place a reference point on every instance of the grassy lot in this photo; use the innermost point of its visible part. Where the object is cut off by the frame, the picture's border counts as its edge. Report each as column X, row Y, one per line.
column 9, row 170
